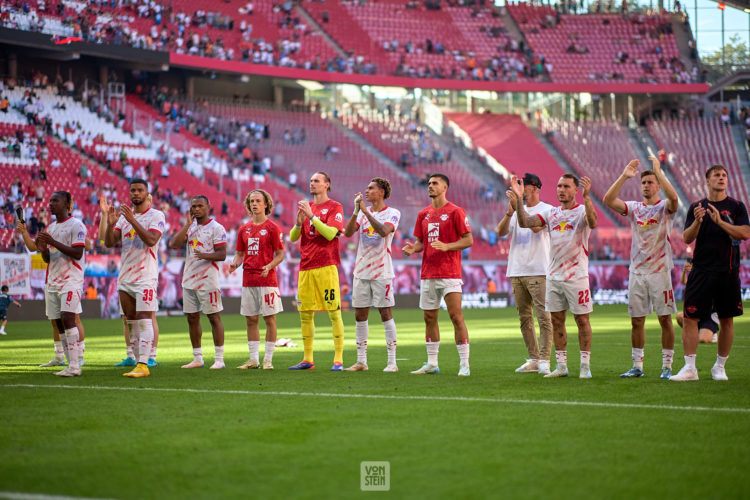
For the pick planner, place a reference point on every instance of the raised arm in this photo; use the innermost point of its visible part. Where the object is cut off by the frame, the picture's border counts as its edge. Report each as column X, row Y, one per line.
column 110, row 239
column 179, row 239
column 610, row 197
column 30, row 244
column 738, row 232
column 351, row 225
column 591, row 217
column 524, row 220
column 673, row 200
column 691, row 232
column 503, row 227
column 149, row 238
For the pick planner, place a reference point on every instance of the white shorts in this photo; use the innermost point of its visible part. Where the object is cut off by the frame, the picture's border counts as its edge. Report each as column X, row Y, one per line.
column 144, row 294
column 260, row 300
column 431, row 292
column 573, row 296
column 649, row 293
column 57, row 303
column 205, row 301
column 372, row 293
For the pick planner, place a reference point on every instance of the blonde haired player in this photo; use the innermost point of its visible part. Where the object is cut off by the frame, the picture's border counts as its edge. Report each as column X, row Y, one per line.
column 650, row 281
column 206, row 245
column 373, row 267
column 318, row 227
column 260, row 249
column 139, row 231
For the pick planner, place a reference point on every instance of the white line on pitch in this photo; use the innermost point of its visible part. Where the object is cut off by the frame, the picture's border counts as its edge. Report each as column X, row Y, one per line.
column 11, row 495
column 388, row 396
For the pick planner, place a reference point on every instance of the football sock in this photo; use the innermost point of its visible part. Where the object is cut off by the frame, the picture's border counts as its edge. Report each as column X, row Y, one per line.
column 390, row 340
column 721, row 360
column 666, row 357
column 361, row 330
column 432, row 351
column 338, row 336
column 270, row 347
column 153, row 350
column 690, row 361
column 638, row 358
column 59, row 350
column 71, row 335
column 219, row 354
column 65, row 346
column 585, row 357
column 135, row 335
column 463, row 352
column 198, row 354
column 308, row 333
column 129, row 352
column 254, row 346
column 146, row 338
column 81, row 350
column 561, row 357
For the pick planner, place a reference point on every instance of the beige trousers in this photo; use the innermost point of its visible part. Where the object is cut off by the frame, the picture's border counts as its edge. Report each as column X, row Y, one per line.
column 529, row 291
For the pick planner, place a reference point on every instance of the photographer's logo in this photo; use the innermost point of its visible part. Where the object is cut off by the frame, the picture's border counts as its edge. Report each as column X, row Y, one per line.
column 375, row 476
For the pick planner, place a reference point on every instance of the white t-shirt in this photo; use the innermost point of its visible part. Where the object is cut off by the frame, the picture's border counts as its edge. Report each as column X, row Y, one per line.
column 202, row 274
column 569, row 241
column 529, row 251
column 138, row 263
column 374, row 252
column 63, row 272
column 650, row 250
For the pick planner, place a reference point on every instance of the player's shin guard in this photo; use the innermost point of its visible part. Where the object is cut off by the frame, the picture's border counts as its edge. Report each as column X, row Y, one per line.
column 72, row 336
column 361, row 331
column 308, row 333
column 145, row 340
column 338, row 336
column 134, row 328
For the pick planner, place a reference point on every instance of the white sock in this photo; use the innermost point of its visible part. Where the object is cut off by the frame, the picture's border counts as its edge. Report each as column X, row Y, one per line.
column 81, row 350
column 145, row 340
column 666, row 358
column 65, row 347
column 59, row 350
column 132, row 348
column 585, row 357
column 361, row 330
column 721, row 360
column 432, row 352
column 254, row 346
column 638, row 358
column 463, row 353
column 72, row 336
column 198, row 354
column 390, row 340
column 153, row 350
column 270, row 347
column 219, row 353
column 561, row 357
column 690, row 361
column 129, row 351
column 135, row 336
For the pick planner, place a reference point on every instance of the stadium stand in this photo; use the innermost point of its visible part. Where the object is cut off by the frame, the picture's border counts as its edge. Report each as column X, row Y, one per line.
column 698, row 144
column 631, row 48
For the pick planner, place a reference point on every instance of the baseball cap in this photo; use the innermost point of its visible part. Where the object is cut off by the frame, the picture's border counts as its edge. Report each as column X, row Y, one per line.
column 532, row 180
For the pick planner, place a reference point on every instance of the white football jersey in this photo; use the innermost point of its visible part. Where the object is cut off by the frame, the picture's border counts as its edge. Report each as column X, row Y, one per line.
column 650, row 250
column 569, row 241
column 63, row 272
column 139, row 263
column 374, row 252
column 200, row 274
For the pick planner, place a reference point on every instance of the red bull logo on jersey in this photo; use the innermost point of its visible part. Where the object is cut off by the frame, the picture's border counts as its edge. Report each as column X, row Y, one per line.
column 195, row 243
column 130, row 235
column 562, row 227
column 645, row 224
column 433, row 231
column 370, row 232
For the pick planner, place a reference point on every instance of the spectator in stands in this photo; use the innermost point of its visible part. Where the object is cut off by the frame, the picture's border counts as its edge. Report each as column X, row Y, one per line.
column 4, row 104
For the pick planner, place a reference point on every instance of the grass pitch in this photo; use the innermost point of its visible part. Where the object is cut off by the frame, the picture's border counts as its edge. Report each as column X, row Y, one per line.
column 231, row 433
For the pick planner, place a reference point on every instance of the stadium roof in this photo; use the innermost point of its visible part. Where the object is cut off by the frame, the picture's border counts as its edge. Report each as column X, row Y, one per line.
column 737, row 4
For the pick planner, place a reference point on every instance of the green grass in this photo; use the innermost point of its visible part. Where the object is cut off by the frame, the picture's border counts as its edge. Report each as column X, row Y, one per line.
column 511, row 441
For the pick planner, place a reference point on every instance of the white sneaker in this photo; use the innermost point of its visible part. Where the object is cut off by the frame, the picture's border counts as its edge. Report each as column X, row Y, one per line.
column 560, row 371
column 544, row 367
column 3, row 332
column 357, row 367
column 70, row 372
column 53, row 362
column 218, row 365
column 63, row 372
column 585, row 371
column 685, row 374
column 718, row 373
column 391, row 368
column 530, row 366
column 464, row 371
column 427, row 368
